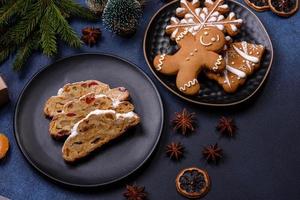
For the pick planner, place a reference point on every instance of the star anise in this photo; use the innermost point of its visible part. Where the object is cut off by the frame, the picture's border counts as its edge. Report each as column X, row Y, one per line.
column 175, row 150
column 212, row 153
column 134, row 192
column 184, row 121
column 90, row 35
column 226, row 126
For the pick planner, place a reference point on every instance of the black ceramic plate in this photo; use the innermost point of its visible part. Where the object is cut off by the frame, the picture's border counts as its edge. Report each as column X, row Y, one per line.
column 156, row 41
column 115, row 160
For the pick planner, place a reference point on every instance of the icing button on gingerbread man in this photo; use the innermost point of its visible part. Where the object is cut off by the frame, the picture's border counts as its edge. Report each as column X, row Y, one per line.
column 195, row 54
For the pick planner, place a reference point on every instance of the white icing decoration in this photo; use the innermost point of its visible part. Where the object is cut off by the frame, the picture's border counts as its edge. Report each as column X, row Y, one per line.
column 227, row 38
column 231, row 15
column 235, row 71
column 174, row 20
column 226, row 78
column 218, row 63
column 209, row 1
column 188, row 85
column 244, row 53
column 181, row 35
column 188, row 15
column 160, row 64
column 195, row 1
column 174, row 33
column 116, row 103
column 224, row 6
column 197, row 11
column 180, row 10
column 60, row 91
column 212, row 19
column 203, row 43
column 233, row 27
column 221, row 17
column 74, row 131
column 126, row 115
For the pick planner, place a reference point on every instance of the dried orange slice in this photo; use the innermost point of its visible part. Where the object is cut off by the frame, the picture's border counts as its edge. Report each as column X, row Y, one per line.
column 4, row 145
column 284, row 8
column 193, row 182
column 258, row 5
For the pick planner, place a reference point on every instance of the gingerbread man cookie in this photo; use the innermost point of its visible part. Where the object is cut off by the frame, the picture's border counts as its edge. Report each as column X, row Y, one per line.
column 196, row 53
column 242, row 59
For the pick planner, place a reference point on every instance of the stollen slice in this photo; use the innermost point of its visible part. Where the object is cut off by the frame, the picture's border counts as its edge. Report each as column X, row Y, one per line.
column 75, row 110
column 95, row 130
column 71, row 91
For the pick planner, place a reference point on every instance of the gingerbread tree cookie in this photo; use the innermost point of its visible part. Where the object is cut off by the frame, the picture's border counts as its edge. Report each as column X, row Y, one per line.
column 196, row 18
column 242, row 59
column 196, row 53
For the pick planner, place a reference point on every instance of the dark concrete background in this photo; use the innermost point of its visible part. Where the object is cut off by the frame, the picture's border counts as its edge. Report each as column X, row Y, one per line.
column 261, row 163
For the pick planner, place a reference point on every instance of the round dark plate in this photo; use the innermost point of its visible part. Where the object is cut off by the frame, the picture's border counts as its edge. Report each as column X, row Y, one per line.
column 156, row 41
column 114, row 161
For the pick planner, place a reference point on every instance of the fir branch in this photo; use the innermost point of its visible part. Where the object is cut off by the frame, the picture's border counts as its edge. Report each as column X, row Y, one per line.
column 73, row 9
column 5, row 52
column 7, row 11
column 31, row 24
column 48, row 38
column 64, row 29
column 25, row 51
column 20, row 31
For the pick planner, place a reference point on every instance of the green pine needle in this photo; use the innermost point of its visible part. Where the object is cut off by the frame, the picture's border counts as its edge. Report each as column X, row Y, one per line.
column 21, row 30
column 8, row 11
column 5, row 52
column 75, row 10
column 35, row 24
column 65, row 30
column 24, row 52
column 48, row 33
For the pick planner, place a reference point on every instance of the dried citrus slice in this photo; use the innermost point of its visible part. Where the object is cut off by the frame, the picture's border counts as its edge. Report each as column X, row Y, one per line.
column 4, row 145
column 258, row 5
column 284, row 8
column 193, row 182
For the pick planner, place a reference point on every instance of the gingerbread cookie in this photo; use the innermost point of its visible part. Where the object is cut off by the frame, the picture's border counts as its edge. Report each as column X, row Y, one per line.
column 242, row 59
column 196, row 18
column 196, row 53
